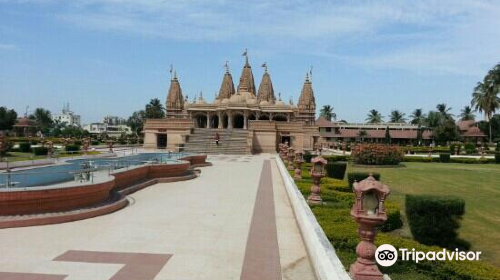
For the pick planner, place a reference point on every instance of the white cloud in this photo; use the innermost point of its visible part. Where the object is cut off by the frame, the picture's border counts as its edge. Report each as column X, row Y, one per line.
column 7, row 46
column 426, row 36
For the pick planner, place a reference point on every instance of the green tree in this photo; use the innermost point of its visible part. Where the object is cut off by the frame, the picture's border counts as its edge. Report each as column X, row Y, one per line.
column 43, row 117
column 387, row 135
column 467, row 114
column 374, row 117
column 434, row 119
column 397, row 117
column 485, row 96
column 444, row 111
column 136, row 121
column 418, row 117
column 327, row 113
column 447, row 131
column 7, row 118
column 362, row 135
column 154, row 110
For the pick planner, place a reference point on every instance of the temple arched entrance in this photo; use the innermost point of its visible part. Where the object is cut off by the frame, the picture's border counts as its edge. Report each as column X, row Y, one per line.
column 200, row 121
column 264, row 117
column 238, row 121
column 280, row 118
column 214, row 121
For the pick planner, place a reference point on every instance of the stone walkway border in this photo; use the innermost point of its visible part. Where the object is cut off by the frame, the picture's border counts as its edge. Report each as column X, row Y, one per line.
column 323, row 258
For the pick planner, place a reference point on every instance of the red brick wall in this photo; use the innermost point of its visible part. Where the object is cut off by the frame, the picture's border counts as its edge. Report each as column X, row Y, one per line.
column 53, row 200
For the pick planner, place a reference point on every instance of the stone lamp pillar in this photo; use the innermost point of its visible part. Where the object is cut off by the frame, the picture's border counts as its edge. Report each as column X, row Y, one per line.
column 291, row 156
column 110, row 145
column 86, row 145
column 299, row 159
column 369, row 212
column 344, row 147
column 456, row 150
column 285, row 153
column 50, row 149
column 317, row 172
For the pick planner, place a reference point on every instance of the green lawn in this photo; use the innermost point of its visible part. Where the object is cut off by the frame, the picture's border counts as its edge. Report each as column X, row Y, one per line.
column 18, row 156
column 477, row 184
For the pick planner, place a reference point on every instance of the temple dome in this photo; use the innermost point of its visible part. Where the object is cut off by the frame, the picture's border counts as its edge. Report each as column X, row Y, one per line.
column 264, row 102
column 225, row 101
column 280, row 103
column 237, row 99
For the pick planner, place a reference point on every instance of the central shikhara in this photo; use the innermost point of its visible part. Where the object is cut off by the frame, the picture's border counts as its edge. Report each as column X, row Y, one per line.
column 259, row 112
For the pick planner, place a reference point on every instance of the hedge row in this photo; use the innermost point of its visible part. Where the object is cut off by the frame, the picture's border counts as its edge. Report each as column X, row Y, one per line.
column 452, row 160
column 40, row 151
column 435, row 220
column 340, row 229
column 335, row 158
column 336, row 170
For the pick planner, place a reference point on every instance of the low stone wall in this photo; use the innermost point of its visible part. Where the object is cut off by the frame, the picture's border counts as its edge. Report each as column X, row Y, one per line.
column 43, row 200
column 38, row 200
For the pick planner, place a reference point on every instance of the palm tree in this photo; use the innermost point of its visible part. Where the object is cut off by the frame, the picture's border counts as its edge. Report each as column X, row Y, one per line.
column 42, row 117
column 327, row 112
column 467, row 114
column 444, row 111
column 155, row 110
column 434, row 119
column 397, row 117
column 374, row 117
column 362, row 134
column 485, row 99
column 418, row 117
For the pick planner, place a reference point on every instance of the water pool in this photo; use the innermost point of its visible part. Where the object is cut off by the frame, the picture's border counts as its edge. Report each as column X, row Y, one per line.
column 48, row 175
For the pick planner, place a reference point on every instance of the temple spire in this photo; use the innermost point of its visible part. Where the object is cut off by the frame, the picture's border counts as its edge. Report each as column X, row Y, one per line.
column 227, row 86
column 247, row 83
column 266, row 90
column 175, row 100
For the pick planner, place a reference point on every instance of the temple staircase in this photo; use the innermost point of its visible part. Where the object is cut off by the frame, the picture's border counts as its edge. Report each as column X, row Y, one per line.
column 232, row 141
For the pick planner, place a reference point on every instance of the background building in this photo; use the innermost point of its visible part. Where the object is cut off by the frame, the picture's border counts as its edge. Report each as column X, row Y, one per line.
column 67, row 116
column 110, row 125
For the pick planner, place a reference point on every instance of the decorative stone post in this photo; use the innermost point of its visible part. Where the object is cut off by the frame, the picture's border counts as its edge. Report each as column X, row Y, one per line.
column 369, row 212
column 285, row 153
column 430, row 152
column 291, row 156
column 456, row 150
column 299, row 159
column 344, row 147
column 317, row 172
column 50, row 149
column 86, row 145
column 481, row 152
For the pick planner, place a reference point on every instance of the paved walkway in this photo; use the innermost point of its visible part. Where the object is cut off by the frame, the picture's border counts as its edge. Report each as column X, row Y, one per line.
column 233, row 222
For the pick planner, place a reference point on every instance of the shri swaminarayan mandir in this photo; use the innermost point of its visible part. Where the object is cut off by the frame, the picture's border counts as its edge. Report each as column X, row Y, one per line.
column 246, row 118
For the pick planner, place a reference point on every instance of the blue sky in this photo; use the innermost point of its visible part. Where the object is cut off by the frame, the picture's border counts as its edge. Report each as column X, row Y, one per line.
column 110, row 57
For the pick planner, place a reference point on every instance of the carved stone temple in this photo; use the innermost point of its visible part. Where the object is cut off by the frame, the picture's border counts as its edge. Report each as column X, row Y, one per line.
column 248, row 119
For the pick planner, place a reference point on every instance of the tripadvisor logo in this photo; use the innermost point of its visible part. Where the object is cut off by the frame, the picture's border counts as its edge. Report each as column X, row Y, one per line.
column 387, row 255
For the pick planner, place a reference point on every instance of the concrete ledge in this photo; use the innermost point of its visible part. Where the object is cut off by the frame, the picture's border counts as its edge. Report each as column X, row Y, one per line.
column 324, row 260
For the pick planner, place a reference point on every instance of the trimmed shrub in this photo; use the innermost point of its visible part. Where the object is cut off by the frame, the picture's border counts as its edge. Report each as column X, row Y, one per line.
column 335, row 158
column 452, row 148
column 40, row 151
column 470, row 148
column 78, row 143
column 25, row 147
column 72, row 148
column 360, row 176
column 393, row 218
column 444, row 157
column 94, row 143
column 377, row 154
column 336, row 170
column 497, row 157
column 434, row 220
column 308, row 156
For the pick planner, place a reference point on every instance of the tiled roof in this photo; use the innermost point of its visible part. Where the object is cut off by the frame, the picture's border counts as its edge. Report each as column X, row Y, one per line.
column 474, row 132
column 395, row 134
column 465, row 125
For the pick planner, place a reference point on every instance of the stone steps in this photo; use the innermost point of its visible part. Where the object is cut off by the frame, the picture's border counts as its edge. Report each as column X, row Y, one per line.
column 202, row 141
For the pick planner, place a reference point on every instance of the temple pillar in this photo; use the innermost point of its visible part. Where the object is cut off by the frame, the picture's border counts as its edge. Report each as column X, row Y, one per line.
column 209, row 119
column 219, row 114
column 245, row 119
column 270, row 117
column 288, row 117
column 229, row 120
